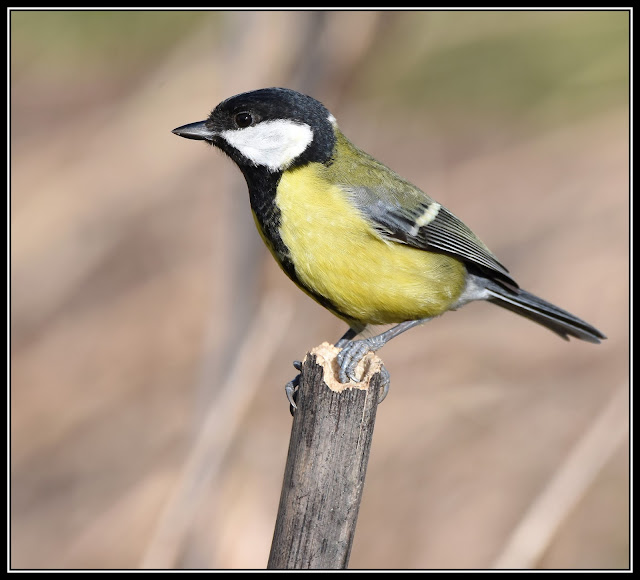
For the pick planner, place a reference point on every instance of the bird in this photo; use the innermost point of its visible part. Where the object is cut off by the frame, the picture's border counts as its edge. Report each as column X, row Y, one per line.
column 362, row 241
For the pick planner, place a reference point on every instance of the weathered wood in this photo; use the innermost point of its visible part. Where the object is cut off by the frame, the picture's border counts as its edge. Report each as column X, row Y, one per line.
column 324, row 475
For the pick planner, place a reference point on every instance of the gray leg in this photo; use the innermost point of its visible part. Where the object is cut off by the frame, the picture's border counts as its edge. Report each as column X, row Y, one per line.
column 347, row 336
column 354, row 350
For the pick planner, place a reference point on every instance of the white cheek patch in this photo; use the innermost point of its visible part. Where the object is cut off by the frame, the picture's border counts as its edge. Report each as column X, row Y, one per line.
column 272, row 144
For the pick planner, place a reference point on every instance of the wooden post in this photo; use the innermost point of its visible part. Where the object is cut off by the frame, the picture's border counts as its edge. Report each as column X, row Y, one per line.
column 326, row 466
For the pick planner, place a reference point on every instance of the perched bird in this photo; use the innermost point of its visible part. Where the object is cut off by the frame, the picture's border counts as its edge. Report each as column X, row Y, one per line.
column 355, row 236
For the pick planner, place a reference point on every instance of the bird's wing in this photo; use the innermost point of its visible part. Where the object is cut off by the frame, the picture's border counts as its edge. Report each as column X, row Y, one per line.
column 400, row 212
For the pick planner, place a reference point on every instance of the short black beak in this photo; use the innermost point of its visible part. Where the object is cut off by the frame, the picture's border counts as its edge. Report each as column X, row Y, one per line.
column 197, row 130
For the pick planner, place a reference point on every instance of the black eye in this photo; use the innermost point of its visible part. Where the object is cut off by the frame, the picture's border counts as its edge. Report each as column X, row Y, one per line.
column 243, row 119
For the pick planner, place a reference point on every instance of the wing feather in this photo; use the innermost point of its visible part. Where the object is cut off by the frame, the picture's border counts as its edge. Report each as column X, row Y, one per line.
column 398, row 214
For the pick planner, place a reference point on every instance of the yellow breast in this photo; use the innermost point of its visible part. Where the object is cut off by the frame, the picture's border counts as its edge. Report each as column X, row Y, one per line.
column 337, row 254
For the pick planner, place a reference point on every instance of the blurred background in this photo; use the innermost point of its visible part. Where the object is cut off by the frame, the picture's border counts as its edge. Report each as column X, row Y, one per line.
column 152, row 334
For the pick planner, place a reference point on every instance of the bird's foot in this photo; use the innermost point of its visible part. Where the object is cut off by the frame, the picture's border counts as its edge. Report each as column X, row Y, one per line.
column 353, row 351
column 291, row 388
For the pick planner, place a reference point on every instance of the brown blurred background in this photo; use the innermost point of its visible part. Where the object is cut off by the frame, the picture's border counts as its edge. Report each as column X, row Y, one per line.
column 152, row 334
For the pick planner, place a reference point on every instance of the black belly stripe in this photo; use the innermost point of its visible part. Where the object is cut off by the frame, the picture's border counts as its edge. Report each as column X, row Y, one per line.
column 262, row 194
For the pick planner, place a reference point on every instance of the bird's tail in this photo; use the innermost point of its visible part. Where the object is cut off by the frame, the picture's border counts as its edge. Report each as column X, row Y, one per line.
column 555, row 319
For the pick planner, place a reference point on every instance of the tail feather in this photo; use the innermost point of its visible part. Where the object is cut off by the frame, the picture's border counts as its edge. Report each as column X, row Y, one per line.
column 555, row 319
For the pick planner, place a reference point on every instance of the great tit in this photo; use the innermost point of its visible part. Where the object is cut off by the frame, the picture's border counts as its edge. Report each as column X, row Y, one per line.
column 355, row 236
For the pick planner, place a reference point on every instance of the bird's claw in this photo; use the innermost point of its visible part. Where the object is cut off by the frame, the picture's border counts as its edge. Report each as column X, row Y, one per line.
column 386, row 383
column 291, row 388
column 349, row 358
